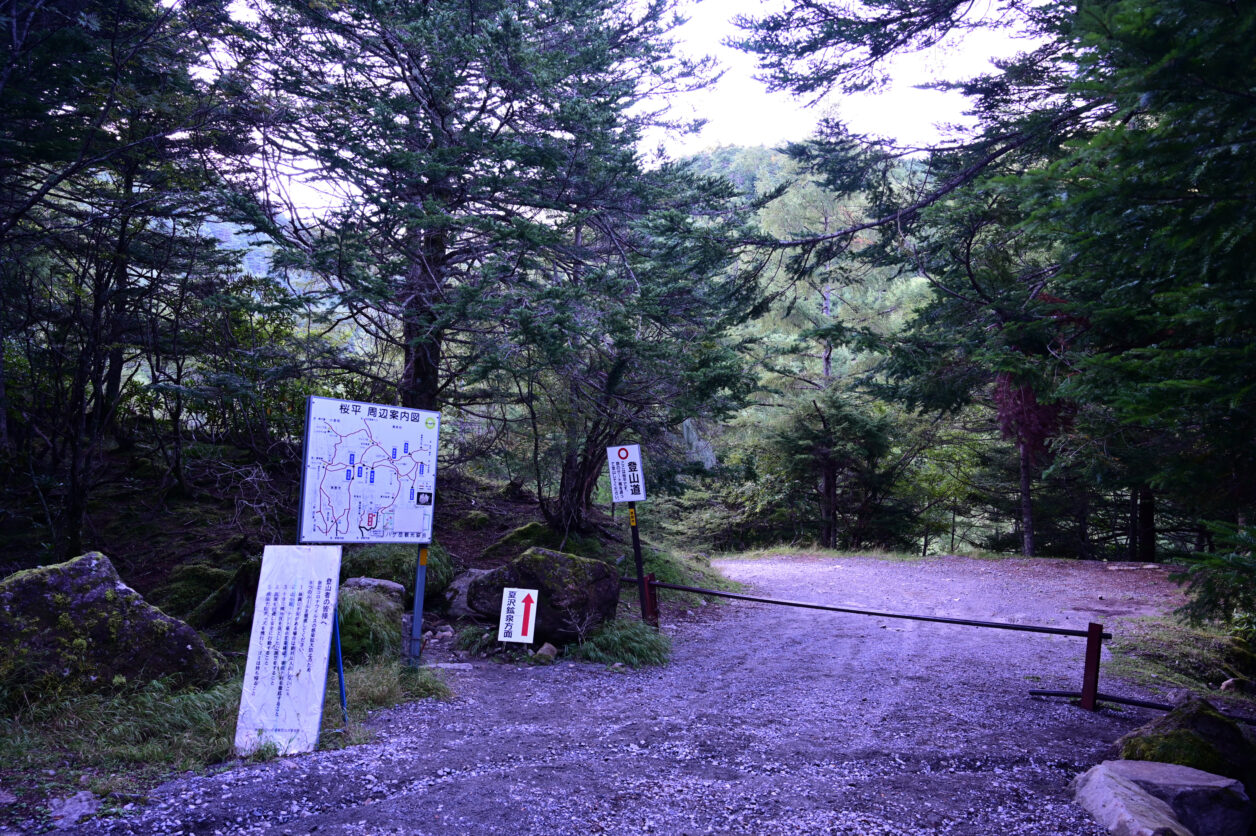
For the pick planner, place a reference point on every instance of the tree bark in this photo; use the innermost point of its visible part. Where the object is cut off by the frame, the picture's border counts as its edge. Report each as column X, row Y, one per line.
column 1146, row 525
column 1026, row 501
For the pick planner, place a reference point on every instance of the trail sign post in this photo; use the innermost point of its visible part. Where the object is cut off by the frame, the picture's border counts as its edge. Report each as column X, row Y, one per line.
column 369, row 476
column 518, row 618
column 628, row 485
column 281, row 702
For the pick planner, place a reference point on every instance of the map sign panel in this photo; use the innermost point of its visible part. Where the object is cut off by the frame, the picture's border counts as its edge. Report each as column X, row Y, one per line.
column 281, row 701
column 370, row 473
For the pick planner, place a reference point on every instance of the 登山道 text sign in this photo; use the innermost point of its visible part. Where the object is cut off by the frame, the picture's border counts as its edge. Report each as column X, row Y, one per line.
column 370, row 473
column 281, row 702
column 624, row 468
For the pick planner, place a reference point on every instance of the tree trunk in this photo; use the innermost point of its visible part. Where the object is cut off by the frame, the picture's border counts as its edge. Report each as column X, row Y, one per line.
column 1146, row 525
column 1131, row 550
column 1026, row 501
column 828, row 504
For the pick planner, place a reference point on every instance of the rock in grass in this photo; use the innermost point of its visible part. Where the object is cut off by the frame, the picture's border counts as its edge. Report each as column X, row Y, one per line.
column 1195, row 734
column 577, row 595
column 76, row 625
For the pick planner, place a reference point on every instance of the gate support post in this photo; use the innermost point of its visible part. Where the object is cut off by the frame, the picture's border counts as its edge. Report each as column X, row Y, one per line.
column 1090, row 675
column 651, row 607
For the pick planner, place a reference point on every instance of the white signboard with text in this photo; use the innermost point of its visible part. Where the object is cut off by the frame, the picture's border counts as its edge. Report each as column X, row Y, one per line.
column 518, row 618
column 281, row 702
column 370, row 473
column 627, row 477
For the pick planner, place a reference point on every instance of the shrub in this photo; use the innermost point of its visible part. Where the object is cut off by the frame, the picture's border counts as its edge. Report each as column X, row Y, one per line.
column 397, row 563
column 370, row 625
column 633, row 643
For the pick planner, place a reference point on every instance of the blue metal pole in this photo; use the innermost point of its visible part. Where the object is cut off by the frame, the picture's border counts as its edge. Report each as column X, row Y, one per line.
column 416, row 623
column 340, row 667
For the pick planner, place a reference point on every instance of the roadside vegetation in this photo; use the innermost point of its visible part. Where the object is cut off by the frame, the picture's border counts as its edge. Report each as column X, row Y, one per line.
column 120, row 744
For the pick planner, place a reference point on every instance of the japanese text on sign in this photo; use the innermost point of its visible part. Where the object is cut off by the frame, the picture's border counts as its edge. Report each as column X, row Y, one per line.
column 281, row 701
column 518, row 616
column 627, row 477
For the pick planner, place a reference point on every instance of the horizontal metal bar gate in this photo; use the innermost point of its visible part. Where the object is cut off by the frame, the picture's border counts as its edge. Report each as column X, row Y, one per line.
column 1093, row 633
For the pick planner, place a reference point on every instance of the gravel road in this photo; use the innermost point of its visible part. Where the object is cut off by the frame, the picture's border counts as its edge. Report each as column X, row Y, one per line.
column 770, row 720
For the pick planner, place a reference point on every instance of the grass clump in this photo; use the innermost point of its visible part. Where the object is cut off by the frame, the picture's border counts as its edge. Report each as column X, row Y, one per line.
column 476, row 640
column 370, row 625
column 624, row 641
column 397, row 563
column 121, row 744
column 1165, row 654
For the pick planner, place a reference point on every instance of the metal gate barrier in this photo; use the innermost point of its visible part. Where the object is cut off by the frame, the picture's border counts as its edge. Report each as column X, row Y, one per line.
column 1094, row 635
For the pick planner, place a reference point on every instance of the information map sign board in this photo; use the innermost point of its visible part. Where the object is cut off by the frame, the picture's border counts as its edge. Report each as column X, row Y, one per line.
column 286, row 673
column 627, row 477
column 370, row 473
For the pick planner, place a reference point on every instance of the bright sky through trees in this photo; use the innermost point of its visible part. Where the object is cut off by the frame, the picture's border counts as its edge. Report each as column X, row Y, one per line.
column 739, row 111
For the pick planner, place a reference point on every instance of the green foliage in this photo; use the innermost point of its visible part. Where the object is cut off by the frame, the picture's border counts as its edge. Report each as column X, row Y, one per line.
column 128, row 741
column 1222, row 584
column 370, row 625
column 1165, row 654
column 397, row 563
column 624, row 641
column 476, row 640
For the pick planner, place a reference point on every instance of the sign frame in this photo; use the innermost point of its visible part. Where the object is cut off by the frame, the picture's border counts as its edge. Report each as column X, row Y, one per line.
column 512, row 599
column 281, row 703
column 626, row 474
column 387, row 416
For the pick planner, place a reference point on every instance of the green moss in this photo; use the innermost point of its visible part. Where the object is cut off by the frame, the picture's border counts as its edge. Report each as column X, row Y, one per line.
column 474, row 521
column 540, row 535
column 1179, row 746
column 397, row 563
column 188, row 586
column 370, row 624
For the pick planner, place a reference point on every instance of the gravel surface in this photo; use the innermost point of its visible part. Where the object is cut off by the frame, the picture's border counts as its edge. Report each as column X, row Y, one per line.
column 770, row 720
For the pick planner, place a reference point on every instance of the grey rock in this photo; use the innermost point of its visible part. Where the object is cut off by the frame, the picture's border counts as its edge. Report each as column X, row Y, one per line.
column 1147, row 798
column 456, row 594
column 1205, row 803
column 1123, row 807
column 576, row 594
column 389, row 589
column 66, row 812
column 76, row 623
column 547, row 651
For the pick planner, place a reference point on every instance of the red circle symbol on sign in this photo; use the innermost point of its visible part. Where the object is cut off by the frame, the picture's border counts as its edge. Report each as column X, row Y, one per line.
column 623, row 453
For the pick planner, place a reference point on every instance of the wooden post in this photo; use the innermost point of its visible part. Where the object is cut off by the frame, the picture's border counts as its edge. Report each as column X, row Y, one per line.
column 1090, row 675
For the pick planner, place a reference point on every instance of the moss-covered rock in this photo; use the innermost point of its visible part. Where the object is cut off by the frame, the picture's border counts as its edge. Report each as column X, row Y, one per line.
column 232, row 603
column 1195, row 734
column 370, row 623
column 188, row 586
column 474, row 521
column 77, row 626
column 577, row 595
column 539, row 535
column 397, row 563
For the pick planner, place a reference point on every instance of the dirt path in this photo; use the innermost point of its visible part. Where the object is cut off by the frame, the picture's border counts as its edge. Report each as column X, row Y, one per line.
column 769, row 721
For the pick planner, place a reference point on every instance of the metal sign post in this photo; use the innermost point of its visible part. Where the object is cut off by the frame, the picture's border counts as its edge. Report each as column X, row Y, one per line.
column 416, row 622
column 628, row 485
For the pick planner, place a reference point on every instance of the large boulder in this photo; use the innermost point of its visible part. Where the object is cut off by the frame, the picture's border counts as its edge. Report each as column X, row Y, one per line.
column 1147, row 797
column 77, row 625
column 576, row 594
column 456, row 594
column 370, row 618
column 1197, row 735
